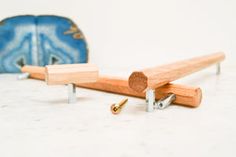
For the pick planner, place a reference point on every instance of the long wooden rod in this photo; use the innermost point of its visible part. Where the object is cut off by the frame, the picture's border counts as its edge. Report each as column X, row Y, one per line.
column 185, row 95
column 152, row 78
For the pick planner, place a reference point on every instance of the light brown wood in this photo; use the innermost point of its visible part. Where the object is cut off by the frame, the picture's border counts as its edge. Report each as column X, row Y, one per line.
column 185, row 95
column 158, row 76
column 36, row 72
column 70, row 73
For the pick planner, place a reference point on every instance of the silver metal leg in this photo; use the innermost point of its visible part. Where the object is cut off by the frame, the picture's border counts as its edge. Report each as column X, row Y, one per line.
column 72, row 93
column 23, row 76
column 218, row 69
column 166, row 101
column 150, row 99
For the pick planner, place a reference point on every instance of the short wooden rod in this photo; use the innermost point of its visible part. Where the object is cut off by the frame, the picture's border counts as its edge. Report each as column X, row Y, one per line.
column 185, row 95
column 152, row 78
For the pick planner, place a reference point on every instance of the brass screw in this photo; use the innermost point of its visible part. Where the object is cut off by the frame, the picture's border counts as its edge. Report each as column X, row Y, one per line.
column 116, row 108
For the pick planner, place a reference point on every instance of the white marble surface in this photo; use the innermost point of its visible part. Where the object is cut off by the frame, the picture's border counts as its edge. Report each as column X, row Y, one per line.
column 35, row 120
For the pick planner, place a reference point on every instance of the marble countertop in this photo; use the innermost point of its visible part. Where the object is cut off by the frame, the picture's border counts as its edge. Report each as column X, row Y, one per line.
column 35, row 120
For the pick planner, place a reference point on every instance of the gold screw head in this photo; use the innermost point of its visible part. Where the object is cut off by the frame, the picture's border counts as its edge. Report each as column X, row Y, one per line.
column 116, row 108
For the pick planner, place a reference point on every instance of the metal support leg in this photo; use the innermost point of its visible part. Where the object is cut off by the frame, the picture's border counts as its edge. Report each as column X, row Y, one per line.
column 23, row 76
column 218, row 69
column 72, row 93
column 150, row 99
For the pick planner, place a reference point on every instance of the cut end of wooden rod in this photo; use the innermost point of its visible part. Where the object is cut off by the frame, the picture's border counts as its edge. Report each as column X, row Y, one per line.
column 138, row 81
column 198, row 98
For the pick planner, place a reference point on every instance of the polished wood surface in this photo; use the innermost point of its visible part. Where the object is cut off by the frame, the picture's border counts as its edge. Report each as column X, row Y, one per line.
column 70, row 73
column 185, row 95
column 152, row 78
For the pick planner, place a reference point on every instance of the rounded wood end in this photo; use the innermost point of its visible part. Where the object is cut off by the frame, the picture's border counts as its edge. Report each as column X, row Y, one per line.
column 138, row 81
column 198, row 97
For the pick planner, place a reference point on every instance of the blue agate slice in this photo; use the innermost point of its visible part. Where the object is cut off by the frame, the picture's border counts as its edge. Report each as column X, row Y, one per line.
column 40, row 40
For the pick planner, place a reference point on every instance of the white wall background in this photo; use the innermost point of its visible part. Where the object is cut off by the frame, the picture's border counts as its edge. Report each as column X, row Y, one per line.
column 124, row 33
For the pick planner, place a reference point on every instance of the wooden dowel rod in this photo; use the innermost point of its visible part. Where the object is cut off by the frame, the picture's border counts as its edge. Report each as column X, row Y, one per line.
column 185, row 95
column 36, row 72
column 152, row 78
column 71, row 73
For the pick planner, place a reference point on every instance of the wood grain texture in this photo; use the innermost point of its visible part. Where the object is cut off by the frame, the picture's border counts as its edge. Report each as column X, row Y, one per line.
column 185, row 95
column 70, row 73
column 158, row 76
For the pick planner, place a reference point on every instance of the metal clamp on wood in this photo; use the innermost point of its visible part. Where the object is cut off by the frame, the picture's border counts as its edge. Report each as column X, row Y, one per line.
column 71, row 74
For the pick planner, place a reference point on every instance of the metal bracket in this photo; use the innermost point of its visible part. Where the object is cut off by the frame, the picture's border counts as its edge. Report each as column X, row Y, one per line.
column 71, row 93
column 150, row 100
column 218, row 68
column 165, row 102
